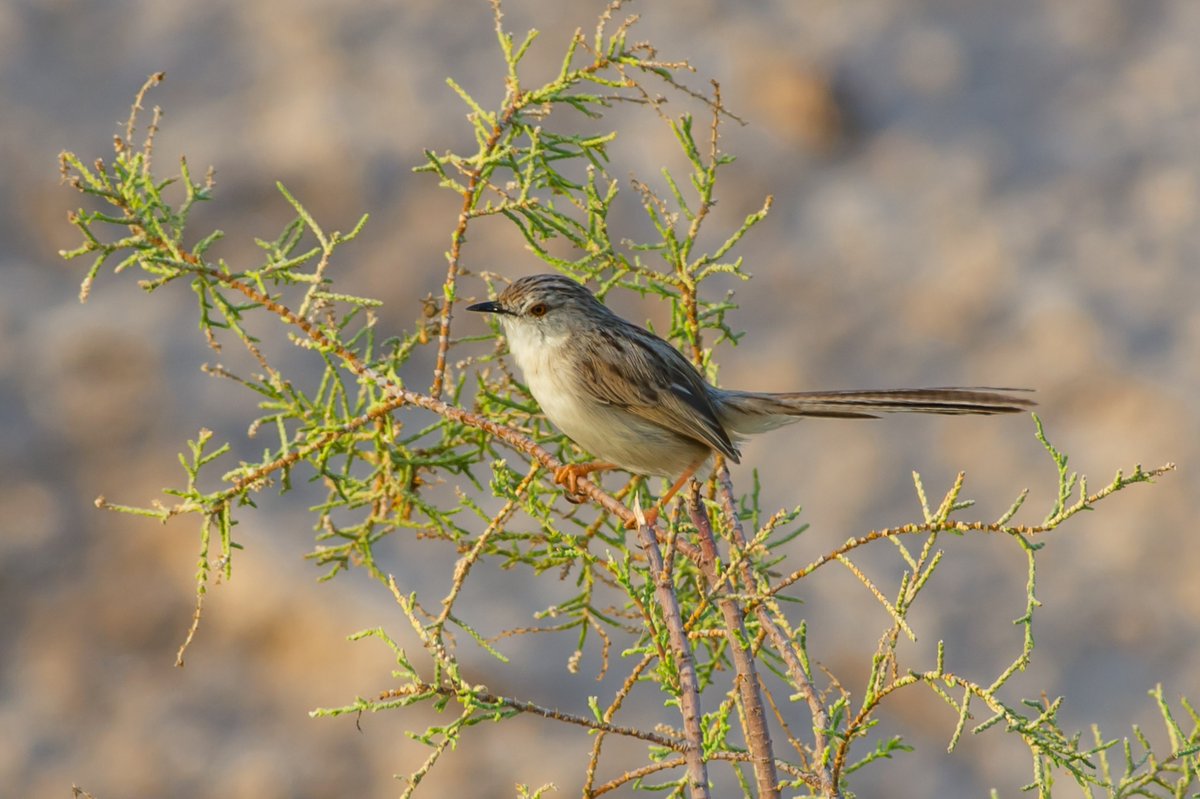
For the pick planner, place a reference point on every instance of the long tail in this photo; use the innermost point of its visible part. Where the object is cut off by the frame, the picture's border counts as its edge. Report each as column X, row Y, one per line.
column 748, row 411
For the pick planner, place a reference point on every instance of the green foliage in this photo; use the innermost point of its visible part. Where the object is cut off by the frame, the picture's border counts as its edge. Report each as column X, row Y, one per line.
column 695, row 607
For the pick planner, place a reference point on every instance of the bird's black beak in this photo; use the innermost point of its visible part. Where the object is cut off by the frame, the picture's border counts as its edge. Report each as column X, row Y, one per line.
column 488, row 307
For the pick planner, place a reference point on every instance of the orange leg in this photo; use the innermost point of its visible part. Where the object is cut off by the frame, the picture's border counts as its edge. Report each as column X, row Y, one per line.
column 568, row 476
column 652, row 514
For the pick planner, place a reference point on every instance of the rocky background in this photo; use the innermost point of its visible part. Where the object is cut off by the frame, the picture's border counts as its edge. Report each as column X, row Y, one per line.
column 966, row 192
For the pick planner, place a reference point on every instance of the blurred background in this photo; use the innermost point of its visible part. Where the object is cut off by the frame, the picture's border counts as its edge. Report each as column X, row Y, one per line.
column 970, row 193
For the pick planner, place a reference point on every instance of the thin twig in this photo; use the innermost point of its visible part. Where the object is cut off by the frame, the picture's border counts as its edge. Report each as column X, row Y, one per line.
column 463, row 567
column 609, row 713
column 488, row 698
column 1139, row 475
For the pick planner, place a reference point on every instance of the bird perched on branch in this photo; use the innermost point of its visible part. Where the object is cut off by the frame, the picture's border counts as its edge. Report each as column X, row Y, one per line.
column 631, row 399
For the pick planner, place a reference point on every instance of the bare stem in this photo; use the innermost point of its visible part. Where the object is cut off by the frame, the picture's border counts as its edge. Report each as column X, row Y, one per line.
column 785, row 646
column 469, row 195
column 758, row 735
column 689, row 685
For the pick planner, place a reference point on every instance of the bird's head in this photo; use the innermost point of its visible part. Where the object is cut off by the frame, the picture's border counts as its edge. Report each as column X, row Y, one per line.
column 546, row 305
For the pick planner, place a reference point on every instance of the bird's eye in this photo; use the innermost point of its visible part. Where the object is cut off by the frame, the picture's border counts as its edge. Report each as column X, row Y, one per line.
column 537, row 309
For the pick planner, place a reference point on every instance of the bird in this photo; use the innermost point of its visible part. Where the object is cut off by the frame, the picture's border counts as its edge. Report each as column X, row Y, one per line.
column 635, row 402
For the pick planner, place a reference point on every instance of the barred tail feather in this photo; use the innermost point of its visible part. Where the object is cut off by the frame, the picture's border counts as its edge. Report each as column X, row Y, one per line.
column 751, row 412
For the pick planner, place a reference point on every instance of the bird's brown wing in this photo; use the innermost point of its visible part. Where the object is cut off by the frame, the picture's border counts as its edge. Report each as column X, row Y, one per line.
column 637, row 371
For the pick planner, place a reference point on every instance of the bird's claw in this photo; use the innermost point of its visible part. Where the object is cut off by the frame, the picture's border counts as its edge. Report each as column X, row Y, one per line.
column 568, row 476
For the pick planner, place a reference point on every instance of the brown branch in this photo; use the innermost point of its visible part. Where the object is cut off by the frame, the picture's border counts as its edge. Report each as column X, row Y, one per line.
column 645, row 771
column 636, row 774
column 689, row 686
column 784, row 645
column 618, row 700
column 514, row 102
column 487, row 698
column 463, row 567
column 456, row 240
column 757, row 733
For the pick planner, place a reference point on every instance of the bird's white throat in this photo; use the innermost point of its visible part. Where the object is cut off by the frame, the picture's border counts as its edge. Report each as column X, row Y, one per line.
column 534, row 349
column 545, row 365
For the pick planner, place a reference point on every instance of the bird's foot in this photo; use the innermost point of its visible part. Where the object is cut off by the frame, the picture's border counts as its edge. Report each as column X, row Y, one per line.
column 651, row 516
column 568, row 476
